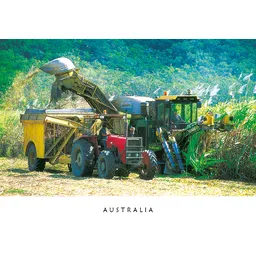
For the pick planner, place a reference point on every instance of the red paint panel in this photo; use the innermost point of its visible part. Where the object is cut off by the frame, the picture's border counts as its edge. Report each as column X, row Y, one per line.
column 118, row 142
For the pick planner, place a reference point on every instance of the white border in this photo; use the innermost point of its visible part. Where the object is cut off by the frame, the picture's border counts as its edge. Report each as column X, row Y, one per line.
column 179, row 225
column 78, row 226
column 128, row 19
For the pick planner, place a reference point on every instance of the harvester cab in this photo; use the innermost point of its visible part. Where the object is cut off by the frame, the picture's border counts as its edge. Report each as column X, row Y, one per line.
column 180, row 112
column 176, row 112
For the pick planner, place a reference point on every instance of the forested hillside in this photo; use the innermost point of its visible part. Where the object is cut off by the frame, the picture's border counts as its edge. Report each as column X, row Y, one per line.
column 217, row 70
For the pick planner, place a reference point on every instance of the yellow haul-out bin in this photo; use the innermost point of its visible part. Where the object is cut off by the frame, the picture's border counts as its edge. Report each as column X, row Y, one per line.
column 48, row 134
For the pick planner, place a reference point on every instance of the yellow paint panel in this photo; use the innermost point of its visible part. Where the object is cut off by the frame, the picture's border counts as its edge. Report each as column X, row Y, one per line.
column 167, row 97
column 174, row 97
column 209, row 119
column 225, row 119
column 34, row 132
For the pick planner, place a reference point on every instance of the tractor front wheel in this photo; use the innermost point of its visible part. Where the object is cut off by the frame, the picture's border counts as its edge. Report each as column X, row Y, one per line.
column 106, row 165
column 34, row 163
column 82, row 158
column 150, row 166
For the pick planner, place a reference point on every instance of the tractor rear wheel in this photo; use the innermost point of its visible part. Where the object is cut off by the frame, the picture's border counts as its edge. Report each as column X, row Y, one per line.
column 150, row 166
column 82, row 158
column 106, row 165
column 34, row 163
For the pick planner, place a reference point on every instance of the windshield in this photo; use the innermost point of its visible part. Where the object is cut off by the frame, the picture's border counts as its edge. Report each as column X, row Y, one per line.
column 176, row 116
column 183, row 114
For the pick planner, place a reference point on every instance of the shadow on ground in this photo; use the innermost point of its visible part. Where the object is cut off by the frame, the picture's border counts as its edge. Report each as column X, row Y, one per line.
column 17, row 170
column 68, row 175
column 55, row 171
column 21, row 172
column 176, row 176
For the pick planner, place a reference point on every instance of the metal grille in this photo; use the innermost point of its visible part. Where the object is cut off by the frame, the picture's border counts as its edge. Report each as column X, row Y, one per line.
column 134, row 141
column 134, row 150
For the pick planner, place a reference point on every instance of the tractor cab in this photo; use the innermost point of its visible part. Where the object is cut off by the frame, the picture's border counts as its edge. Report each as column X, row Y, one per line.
column 176, row 112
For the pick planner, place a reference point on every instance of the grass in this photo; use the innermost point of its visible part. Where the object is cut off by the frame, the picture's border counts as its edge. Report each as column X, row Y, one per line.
column 15, row 191
column 15, row 180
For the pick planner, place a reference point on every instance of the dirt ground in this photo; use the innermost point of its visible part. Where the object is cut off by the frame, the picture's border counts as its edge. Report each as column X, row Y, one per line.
column 15, row 179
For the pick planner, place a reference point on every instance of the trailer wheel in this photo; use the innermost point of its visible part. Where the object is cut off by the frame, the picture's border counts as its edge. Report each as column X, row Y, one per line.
column 106, row 165
column 150, row 166
column 34, row 163
column 82, row 158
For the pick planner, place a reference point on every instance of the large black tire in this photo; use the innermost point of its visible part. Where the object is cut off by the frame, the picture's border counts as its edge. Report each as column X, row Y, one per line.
column 34, row 163
column 106, row 165
column 82, row 158
column 150, row 166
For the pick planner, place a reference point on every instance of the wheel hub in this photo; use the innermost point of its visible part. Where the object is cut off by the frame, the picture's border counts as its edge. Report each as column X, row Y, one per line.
column 32, row 157
column 79, row 159
column 146, row 162
column 103, row 165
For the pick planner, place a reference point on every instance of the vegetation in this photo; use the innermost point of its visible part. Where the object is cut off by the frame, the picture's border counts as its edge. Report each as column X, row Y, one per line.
column 11, row 134
column 127, row 66
column 221, row 72
column 230, row 154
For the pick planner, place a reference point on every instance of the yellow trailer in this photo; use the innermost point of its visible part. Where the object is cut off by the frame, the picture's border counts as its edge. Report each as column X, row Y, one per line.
column 48, row 134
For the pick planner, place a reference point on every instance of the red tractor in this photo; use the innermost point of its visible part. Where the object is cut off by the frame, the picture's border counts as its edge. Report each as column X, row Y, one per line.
column 122, row 155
